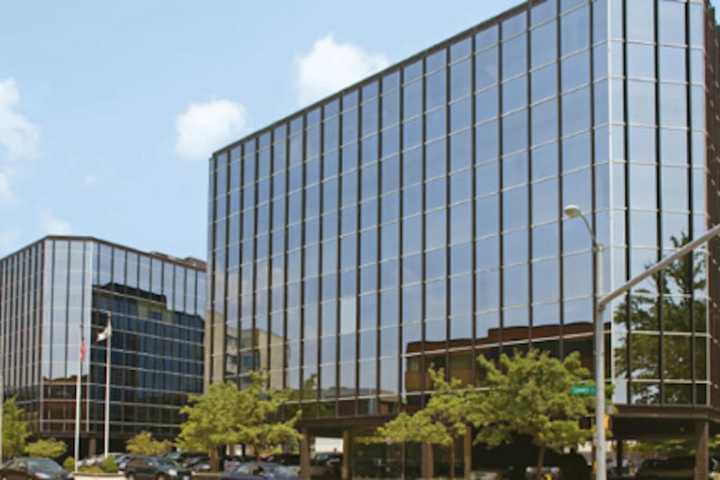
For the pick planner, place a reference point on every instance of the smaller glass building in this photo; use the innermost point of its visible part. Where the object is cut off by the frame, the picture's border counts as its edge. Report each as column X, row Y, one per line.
column 58, row 294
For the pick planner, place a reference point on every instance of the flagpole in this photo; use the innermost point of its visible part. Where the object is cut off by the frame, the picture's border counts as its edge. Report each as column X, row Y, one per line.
column 108, row 360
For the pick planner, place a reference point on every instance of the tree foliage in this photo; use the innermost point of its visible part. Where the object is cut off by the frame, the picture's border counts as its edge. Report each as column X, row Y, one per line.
column 46, row 448
column 227, row 415
column 529, row 395
column 69, row 464
column 637, row 354
column 443, row 420
column 145, row 444
column 15, row 429
column 109, row 465
column 261, row 426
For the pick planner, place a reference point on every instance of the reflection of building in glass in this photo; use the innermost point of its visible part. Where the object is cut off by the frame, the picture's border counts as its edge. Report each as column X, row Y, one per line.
column 59, row 292
column 415, row 218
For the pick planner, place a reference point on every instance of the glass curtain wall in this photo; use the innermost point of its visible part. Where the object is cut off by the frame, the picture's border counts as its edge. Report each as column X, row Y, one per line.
column 415, row 219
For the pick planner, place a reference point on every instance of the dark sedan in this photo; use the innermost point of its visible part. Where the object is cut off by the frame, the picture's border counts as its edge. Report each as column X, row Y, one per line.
column 31, row 468
column 263, row 471
column 155, row 468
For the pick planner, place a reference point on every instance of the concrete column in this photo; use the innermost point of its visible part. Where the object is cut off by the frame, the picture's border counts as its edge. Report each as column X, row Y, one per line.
column 346, row 470
column 92, row 447
column 305, row 455
column 427, row 462
column 702, row 434
column 467, row 453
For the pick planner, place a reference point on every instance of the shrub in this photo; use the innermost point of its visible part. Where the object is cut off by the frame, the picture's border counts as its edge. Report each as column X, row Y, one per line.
column 109, row 465
column 46, row 448
column 69, row 464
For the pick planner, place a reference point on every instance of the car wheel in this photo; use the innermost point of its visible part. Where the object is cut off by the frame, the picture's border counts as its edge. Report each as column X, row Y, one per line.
column 161, row 477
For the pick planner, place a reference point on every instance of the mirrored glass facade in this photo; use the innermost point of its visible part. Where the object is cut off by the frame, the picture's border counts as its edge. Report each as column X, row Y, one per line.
column 416, row 218
column 59, row 293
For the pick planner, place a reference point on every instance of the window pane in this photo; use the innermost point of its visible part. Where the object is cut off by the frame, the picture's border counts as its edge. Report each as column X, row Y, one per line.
column 486, row 68
column 672, row 22
column 460, row 84
column 574, row 30
column 544, row 44
column 514, row 94
column 640, row 30
column 514, row 57
column 544, row 122
column 544, row 82
column 672, row 64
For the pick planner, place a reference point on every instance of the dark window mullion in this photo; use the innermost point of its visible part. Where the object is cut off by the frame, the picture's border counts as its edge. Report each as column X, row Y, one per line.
column 659, row 300
column 528, row 61
column 628, row 233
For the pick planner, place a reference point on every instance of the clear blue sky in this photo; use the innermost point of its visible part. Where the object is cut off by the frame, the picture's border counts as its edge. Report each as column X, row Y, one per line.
column 90, row 93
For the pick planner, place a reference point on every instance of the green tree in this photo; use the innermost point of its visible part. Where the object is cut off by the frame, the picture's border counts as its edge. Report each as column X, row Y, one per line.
column 69, row 464
column 211, row 421
column 47, row 448
column 109, row 465
column 15, row 429
column 227, row 415
column 145, row 444
column 261, row 426
column 666, row 296
column 443, row 421
column 529, row 395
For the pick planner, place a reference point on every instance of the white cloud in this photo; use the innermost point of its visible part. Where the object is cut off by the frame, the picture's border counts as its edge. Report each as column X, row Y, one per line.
column 331, row 65
column 18, row 135
column 53, row 225
column 206, row 127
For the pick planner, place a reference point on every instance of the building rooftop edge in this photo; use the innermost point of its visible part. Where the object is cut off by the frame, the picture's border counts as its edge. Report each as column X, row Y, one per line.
column 189, row 262
column 378, row 75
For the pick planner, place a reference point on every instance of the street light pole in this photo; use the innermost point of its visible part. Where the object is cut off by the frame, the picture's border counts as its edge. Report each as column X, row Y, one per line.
column 572, row 211
column 601, row 303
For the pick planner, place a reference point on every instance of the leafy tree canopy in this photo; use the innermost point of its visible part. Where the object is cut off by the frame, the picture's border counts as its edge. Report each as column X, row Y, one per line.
column 145, row 444
column 227, row 415
column 529, row 395
column 443, row 420
column 47, row 448
column 15, row 429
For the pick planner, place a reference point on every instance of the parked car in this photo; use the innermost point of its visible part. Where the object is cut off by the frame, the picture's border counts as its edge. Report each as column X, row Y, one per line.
column 326, row 465
column 155, row 468
column 676, row 468
column 98, row 459
column 181, row 456
column 288, row 459
column 232, row 462
column 190, row 460
column 123, row 460
column 263, row 471
column 32, row 468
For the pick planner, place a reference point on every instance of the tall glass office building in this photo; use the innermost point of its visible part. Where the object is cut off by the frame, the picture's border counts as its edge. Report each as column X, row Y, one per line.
column 416, row 217
column 59, row 293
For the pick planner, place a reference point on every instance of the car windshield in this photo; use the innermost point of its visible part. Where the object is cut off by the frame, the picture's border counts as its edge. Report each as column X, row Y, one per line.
column 43, row 465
